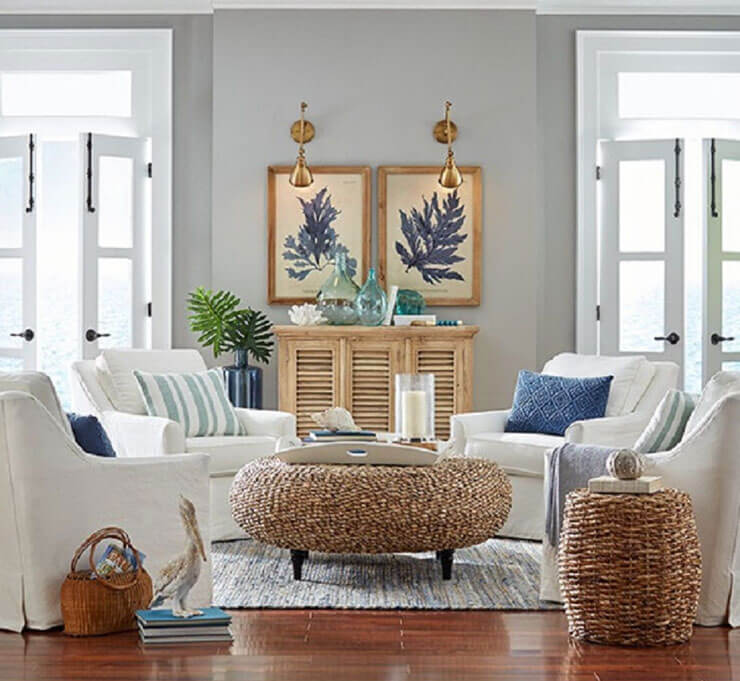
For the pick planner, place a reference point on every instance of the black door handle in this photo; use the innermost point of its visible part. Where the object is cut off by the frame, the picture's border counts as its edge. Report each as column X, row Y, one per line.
column 91, row 335
column 27, row 335
column 671, row 338
column 717, row 339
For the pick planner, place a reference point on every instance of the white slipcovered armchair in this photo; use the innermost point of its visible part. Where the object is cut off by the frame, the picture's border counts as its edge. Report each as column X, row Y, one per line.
column 53, row 495
column 637, row 388
column 107, row 388
column 706, row 464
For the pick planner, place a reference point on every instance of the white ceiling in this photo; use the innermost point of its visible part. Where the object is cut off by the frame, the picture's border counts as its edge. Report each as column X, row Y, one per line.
column 207, row 6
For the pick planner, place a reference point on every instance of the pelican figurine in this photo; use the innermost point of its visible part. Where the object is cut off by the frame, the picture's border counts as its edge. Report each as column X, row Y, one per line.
column 180, row 575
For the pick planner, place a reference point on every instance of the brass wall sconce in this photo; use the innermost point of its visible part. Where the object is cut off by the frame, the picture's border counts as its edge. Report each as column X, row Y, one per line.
column 302, row 132
column 445, row 132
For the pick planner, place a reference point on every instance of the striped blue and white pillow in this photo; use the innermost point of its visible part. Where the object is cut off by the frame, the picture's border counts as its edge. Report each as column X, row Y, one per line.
column 197, row 401
column 667, row 426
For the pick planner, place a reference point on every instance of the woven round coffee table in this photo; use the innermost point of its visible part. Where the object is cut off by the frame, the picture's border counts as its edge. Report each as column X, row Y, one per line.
column 630, row 567
column 455, row 503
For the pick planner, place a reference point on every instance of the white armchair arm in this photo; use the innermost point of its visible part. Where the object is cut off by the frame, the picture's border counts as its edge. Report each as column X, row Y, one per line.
column 136, row 435
column 610, row 431
column 267, row 422
column 464, row 426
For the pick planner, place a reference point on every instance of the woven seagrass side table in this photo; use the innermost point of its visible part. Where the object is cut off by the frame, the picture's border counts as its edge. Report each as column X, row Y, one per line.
column 455, row 503
column 630, row 567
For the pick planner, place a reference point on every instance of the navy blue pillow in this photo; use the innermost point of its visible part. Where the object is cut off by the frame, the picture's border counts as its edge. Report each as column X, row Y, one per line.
column 90, row 435
column 549, row 404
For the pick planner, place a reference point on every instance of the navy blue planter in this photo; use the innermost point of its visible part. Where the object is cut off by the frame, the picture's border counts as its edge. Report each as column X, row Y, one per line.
column 243, row 382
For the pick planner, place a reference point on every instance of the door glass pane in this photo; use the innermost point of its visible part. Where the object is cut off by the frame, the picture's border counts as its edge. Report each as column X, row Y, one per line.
column 11, row 202
column 731, row 366
column 11, row 302
column 731, row 304
column 11, row 364
column 641, row 206
column 641, row 306
column 730, row 205
column 114, row 302
column 66, row 93
column 115, row 198
column 58, row 295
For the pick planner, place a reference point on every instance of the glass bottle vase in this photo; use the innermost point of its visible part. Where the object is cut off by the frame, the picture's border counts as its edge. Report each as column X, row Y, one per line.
column 371, row 302
column 337, row 295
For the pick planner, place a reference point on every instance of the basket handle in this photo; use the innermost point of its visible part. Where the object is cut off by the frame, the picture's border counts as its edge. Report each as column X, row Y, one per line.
column 93, row 540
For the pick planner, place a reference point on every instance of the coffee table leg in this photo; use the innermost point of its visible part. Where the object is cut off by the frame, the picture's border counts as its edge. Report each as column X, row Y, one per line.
column 446, row 557
column 297, row 557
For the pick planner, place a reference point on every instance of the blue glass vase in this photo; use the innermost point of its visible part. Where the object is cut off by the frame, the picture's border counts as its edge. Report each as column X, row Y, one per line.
column 243, row 382
column 371, row 302
column 337, row 295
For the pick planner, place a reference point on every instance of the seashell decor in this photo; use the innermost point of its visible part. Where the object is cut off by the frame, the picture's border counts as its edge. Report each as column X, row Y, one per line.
column 335, row 418
column 306, row 315
column 625, row 464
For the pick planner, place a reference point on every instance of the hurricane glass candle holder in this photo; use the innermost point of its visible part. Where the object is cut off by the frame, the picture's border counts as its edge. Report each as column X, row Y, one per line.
column 415, row 407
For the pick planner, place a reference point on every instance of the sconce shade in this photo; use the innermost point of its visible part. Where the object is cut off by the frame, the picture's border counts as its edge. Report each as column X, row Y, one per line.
column 301, row 175
column 450, row 177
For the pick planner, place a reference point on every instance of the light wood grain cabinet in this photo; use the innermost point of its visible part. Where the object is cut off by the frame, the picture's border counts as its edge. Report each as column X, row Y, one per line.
column 354, row 367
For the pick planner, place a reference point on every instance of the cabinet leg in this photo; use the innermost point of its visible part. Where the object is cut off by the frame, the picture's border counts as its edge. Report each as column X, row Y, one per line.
column 297, row 557
column 445, row 558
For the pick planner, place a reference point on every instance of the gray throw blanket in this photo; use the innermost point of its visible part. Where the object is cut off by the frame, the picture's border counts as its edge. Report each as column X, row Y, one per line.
column 571, row 467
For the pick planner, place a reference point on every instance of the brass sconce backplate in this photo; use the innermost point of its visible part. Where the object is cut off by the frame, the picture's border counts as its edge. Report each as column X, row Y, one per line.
column 440, row 131
column 308, row 132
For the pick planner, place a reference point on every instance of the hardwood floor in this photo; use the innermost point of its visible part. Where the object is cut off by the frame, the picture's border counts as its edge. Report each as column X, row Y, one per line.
column 324, row 645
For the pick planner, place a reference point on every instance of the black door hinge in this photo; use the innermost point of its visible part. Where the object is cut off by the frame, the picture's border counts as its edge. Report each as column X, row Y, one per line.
column 149, row 309
column 149, row 169
column 598, row 313
column 598, row 172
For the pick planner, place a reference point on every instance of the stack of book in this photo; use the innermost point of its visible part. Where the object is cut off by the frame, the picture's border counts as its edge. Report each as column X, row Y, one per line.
column 162, row 627
column 341, row 436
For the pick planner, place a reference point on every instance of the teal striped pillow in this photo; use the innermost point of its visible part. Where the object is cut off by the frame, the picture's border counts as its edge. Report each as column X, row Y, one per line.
column 197, row 401
column 668, row 423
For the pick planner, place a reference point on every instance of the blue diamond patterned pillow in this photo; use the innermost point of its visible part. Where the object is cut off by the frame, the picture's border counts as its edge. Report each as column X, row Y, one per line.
column 549, row 404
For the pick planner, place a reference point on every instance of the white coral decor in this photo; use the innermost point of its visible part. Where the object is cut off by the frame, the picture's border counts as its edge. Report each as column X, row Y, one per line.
column 306, row 315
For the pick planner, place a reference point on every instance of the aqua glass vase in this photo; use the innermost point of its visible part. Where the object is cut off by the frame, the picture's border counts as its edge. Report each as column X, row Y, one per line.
column 336, row 298
column 371, row 302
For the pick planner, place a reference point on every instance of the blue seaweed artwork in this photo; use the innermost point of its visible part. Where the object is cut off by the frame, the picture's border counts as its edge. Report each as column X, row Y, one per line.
column 317, row 243
column 432, row 238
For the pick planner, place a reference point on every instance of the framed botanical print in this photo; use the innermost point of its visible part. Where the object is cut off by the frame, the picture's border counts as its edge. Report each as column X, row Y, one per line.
column 429, row 238
column 307, row 227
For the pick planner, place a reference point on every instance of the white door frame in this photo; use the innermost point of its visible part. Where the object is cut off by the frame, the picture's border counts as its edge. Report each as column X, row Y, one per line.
column 600, row 55
column 148, row 54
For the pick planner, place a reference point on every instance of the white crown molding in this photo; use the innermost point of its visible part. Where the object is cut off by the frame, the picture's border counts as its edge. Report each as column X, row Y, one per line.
column 675, row 7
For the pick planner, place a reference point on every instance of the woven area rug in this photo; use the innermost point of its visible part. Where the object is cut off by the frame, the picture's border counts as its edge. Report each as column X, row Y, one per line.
column 502, row 574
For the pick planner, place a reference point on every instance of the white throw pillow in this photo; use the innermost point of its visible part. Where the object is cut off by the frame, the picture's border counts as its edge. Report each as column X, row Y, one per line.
column 632, row 376
column 114, row 369
column 721, row 384
column 668, row 424
column 197, row 401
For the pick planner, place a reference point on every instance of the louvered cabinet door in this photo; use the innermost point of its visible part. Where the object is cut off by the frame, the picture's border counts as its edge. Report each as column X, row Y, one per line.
column 450, row 362
column 309, row 380
column 370, row 369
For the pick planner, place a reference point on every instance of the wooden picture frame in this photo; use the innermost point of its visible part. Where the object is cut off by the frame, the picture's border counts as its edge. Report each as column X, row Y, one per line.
column 410, row 193
column 295, row 280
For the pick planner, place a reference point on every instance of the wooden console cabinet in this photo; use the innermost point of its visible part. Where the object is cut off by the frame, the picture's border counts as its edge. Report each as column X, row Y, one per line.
column 354, row 367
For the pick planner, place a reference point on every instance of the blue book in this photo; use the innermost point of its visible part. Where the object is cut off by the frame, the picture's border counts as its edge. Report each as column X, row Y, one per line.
column 165, row 618
column 342, row 433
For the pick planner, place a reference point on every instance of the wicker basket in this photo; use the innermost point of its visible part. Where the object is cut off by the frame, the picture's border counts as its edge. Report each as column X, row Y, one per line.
column 630, row 567
column 106, row 603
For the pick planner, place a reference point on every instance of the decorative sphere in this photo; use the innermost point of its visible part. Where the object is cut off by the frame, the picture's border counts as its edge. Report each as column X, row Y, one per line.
column 625, row 464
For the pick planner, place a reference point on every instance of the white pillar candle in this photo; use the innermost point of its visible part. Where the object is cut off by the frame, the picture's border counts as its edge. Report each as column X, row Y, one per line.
column 414, row 414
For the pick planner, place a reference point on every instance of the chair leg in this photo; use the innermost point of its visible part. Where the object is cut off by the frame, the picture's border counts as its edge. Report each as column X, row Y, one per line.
column 297, row 556
column 446, row 557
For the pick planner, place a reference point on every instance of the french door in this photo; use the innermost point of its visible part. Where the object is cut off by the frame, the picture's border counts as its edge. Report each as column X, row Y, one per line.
column 721, row 328
column 641, row 297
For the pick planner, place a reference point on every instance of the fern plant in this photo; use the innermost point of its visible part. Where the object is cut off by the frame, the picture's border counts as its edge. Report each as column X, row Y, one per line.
column 226, row 327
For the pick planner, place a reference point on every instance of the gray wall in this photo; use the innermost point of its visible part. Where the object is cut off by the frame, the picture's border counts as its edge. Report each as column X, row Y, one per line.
column 376, row 82
column 192, row 129
column 556, row 117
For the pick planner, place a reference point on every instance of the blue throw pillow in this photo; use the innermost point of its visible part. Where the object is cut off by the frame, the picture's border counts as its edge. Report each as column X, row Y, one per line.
column 549, row 404
column 90, row 435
